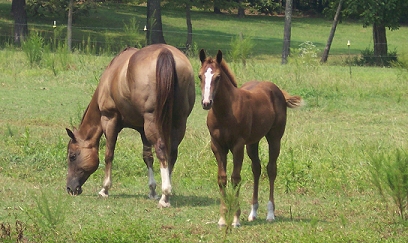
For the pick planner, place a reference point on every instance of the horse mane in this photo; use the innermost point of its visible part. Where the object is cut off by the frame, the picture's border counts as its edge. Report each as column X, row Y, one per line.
column 228, row 72
column 225, row 68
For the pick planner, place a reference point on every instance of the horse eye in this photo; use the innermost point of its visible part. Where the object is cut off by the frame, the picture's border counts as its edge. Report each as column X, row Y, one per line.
column 72, row 157
column 199, row 76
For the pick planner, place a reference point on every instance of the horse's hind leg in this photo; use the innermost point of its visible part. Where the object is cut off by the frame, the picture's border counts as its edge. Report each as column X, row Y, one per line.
column 252, row 151
column 148, row 159
column 274, row 150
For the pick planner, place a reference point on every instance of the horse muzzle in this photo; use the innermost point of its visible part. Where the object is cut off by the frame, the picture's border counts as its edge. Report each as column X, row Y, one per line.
column 74, row 191
column 207, row 104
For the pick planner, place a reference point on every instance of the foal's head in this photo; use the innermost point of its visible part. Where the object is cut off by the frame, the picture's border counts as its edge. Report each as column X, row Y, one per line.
column 83, row 160
column 210, row 74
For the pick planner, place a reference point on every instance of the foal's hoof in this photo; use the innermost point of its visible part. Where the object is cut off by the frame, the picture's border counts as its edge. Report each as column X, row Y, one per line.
column 163, row 204
column 103, row 194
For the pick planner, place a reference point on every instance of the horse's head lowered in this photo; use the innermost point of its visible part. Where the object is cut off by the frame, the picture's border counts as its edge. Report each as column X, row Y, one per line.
column 209, row 75
column 83, row 160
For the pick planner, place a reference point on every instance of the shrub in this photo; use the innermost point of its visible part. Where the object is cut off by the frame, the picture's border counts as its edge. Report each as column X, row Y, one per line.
column 368, row 58
column 241, row 48
column 33, row 48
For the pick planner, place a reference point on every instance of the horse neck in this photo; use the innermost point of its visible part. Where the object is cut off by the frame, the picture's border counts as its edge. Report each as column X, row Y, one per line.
column 91, row 129
column 225, row 96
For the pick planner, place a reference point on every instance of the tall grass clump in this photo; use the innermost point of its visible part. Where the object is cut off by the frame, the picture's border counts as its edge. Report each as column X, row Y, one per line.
column 48, row 217
column 241, row 48
column 230, row 199
column 389, row 174
column 33, row 48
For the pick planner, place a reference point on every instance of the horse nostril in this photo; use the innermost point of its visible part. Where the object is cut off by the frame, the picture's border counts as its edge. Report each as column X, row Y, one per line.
column 70, row 192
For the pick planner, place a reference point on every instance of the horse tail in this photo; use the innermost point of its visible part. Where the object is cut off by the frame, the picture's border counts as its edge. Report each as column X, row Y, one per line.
column 294, row 101
column 166, row 82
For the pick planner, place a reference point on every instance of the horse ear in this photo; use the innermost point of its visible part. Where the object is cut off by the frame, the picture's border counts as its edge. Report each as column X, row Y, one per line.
column 202, row 55
column 71, row 134
column 219, row 56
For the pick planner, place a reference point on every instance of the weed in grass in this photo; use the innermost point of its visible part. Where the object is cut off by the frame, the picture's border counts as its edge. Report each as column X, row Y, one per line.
column 230, row 200
column 241, row 48
column 33, row 48
column 389, row 174
column 48, row 216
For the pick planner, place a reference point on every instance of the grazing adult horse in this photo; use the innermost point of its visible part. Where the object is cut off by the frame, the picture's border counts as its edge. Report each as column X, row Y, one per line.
column 239, row 117
column 150, row 90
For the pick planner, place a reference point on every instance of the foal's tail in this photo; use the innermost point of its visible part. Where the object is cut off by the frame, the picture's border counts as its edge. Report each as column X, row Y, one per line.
column 166, row 82
column 294, row 101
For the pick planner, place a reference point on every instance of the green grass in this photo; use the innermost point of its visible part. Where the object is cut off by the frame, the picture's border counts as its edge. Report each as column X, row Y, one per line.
column 323, row 189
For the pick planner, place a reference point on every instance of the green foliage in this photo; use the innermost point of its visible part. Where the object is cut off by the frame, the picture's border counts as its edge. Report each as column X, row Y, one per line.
column 231, row 201
column 389, row 174
column 367, row 58
column 44, row 8
column 33, row 47
column 241, row 48
column 268, row 7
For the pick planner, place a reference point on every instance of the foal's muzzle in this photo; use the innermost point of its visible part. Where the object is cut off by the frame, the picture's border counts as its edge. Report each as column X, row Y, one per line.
column 207, row 105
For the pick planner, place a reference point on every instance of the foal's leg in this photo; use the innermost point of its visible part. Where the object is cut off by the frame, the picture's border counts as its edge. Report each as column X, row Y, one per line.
column 252, row 151
column 221, row 157
column 110, row 129
column 238, row 157
column 148, row 159
column 274, row 150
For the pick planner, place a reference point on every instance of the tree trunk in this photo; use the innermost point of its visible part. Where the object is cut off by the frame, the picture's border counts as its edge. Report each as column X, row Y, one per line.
column 331, row 35
column 287, row 31
column 380, row 42
column 217, row 9
column 154, row 33
column 241, row 10
column 20, row 21
column 189, row 41
column 69, row 25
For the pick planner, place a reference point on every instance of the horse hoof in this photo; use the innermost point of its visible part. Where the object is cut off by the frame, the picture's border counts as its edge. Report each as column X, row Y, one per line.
column 163, row 204
column 250, row 218
column 103, row 194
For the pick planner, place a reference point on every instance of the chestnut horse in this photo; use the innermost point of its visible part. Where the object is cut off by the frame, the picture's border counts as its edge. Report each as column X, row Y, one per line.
column 150, row 90
column 240, row 117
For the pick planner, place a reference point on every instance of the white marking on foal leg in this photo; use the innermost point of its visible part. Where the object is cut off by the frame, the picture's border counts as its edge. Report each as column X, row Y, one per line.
column 236, row 222
column 166, row 188
column 152, row 184
column 222, row 222
column 254, row 209
column 271, row 214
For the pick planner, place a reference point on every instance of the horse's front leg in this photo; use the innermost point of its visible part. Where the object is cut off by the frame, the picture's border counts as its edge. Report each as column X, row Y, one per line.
column 110, row 129
column 221, row 157
column 238, row 157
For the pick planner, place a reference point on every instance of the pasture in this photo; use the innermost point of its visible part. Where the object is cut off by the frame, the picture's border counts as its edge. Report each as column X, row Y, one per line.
column 323, row 188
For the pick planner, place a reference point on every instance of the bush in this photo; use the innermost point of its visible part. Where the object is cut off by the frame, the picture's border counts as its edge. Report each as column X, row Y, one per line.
column 33, row 48
column 241, row 48
column 368, row 58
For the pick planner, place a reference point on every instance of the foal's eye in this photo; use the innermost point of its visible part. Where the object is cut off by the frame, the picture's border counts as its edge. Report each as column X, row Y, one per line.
column 72, row 157
column 199, row 76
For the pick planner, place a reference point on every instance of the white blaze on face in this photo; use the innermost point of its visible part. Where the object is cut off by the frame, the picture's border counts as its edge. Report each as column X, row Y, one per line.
column 207, row 85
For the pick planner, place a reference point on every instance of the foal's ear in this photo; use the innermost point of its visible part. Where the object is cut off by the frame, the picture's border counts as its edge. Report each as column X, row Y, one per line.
column 71, row 134
column 219, row 56
column 202, row 55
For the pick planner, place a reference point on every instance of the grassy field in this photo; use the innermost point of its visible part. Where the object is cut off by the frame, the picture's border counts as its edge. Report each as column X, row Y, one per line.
column 105, row 31
column 323, row 189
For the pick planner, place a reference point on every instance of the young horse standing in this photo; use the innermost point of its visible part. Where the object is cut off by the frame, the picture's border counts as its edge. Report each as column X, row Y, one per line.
column 239, row 117
column 150, row 90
